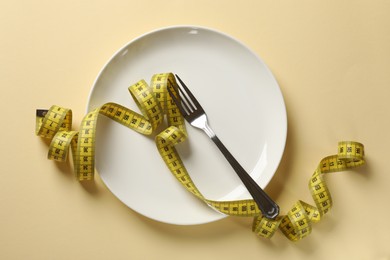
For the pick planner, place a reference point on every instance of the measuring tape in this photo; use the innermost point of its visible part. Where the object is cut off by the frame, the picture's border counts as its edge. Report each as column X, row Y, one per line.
column 155, row 103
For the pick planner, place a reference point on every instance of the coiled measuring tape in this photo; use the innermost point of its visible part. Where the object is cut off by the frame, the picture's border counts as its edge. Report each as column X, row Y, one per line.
column 155, row 103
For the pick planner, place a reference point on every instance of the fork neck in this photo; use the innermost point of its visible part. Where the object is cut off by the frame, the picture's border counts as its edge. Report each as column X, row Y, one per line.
column 201, row 123
column 207, row 129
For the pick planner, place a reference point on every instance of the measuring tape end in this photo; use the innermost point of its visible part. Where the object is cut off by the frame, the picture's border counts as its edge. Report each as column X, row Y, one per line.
column 41, row 112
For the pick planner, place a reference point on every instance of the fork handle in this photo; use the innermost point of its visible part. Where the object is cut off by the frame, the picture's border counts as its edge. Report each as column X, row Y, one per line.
column 267, row 206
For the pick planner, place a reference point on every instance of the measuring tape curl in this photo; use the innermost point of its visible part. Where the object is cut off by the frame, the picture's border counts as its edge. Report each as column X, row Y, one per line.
column 56, row 124
column 155, row 103
column 297, row 224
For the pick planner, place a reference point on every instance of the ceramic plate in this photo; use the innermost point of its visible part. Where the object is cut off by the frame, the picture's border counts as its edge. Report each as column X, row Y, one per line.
column 245, row 108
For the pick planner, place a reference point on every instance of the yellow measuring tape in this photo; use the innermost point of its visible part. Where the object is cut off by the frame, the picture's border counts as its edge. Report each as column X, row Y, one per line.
column 155, row 103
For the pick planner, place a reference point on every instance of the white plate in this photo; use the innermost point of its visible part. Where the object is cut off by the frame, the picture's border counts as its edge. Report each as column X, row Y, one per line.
column 245, row 108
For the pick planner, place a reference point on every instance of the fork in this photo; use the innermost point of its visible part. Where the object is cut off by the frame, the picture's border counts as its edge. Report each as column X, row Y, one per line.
column 194, row 114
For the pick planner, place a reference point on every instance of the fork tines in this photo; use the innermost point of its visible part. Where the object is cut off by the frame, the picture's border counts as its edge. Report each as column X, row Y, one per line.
column 184, row 99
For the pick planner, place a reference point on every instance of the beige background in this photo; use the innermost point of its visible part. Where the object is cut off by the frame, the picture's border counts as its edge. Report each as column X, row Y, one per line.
column 331, row 59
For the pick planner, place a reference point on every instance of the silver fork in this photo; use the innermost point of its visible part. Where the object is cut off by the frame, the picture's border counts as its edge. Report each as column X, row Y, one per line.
column 196, row 116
